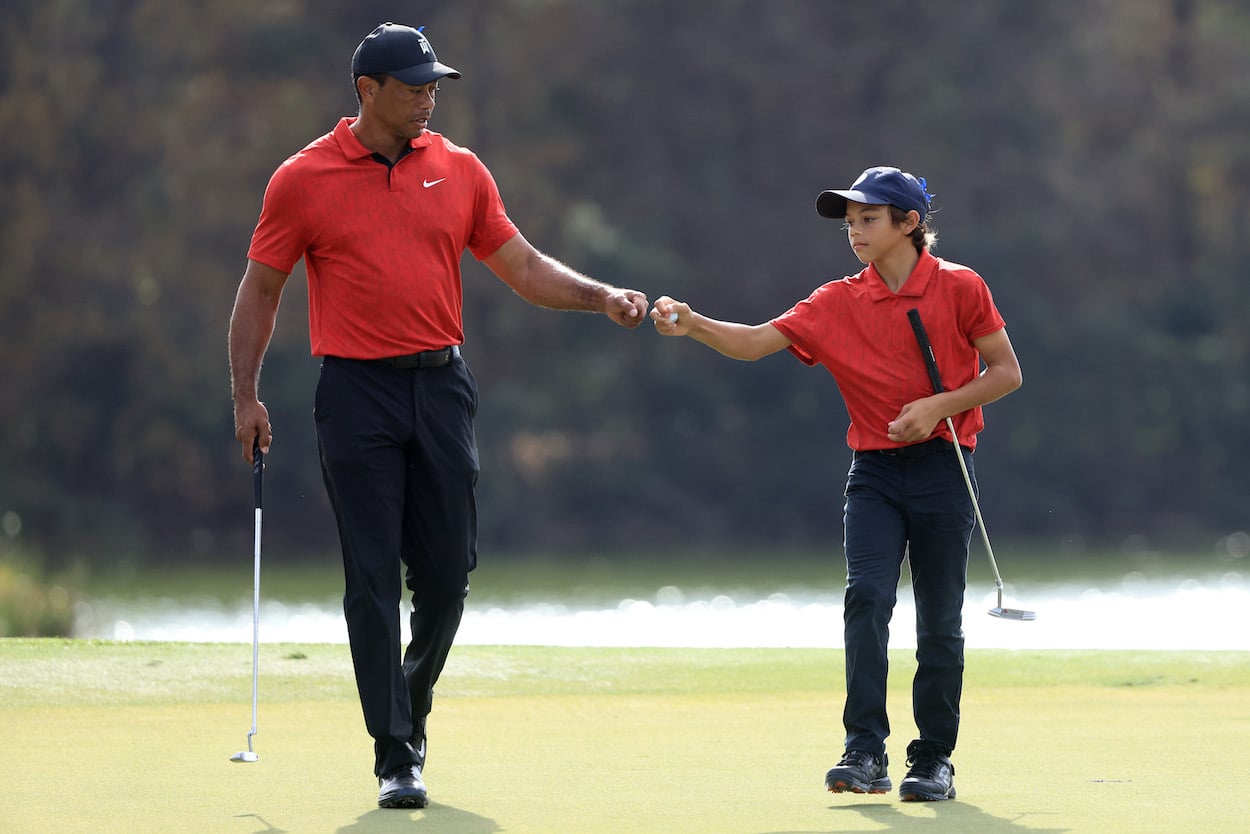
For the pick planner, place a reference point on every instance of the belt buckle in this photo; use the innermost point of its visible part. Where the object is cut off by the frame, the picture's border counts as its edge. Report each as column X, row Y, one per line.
column 442, row 356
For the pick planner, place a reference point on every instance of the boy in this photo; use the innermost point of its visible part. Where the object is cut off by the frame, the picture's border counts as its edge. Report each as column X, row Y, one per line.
column 905, row 494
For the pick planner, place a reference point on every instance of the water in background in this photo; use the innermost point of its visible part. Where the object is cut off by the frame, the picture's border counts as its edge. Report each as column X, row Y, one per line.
column 1131, row 613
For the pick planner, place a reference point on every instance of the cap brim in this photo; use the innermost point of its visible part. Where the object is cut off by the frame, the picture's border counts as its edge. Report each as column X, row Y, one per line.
column 423, row 74
column 833, row 203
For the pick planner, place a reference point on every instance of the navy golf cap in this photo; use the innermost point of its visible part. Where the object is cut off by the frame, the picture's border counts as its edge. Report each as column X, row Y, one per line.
column 401, row 52
column 880, row 186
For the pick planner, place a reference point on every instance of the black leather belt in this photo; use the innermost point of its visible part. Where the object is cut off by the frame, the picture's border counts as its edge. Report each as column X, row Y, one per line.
column 916, row 450
column 424, row 359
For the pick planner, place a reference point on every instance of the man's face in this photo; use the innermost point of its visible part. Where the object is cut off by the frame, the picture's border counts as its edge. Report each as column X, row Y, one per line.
column 403, row 109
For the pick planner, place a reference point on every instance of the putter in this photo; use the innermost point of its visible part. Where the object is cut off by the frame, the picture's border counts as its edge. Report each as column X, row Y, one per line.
column 258, row 478
column 931, row 363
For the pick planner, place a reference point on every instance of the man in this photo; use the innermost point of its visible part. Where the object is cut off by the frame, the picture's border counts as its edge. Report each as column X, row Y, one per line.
column 381, row 209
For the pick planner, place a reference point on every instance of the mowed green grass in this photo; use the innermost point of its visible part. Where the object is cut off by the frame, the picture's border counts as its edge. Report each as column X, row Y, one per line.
column 136, row 737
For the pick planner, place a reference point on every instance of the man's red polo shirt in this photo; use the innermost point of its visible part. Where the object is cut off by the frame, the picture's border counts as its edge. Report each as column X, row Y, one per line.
column 381, row 245
column 858, row 329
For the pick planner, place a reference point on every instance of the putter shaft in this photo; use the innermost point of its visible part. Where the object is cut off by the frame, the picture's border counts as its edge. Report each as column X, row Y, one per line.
column 258, row 470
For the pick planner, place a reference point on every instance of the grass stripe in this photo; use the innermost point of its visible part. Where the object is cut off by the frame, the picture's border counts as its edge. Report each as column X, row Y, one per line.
column 135, row 737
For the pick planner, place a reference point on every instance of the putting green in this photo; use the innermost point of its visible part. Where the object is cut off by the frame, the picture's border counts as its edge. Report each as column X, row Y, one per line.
column 109, row 737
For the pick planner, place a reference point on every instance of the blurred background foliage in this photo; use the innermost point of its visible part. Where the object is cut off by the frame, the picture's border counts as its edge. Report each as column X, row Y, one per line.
column 1090, row 159
column 33, row 604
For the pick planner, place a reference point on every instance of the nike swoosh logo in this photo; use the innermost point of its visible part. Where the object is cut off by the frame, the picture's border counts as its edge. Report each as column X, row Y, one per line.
column 430, row 183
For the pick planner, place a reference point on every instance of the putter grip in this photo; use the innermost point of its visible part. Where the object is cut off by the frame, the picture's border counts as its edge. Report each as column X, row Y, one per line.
column 258, row 470
column 917, row 327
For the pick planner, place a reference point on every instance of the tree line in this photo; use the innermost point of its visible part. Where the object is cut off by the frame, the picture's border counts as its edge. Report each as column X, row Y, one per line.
column 1089, row 160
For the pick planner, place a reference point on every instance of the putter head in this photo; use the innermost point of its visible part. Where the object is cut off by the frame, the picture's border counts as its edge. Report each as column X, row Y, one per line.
column 244, row 756
column 1012, row 613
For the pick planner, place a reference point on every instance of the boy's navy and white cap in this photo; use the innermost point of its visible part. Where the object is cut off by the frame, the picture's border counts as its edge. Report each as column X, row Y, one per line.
column 880, row 186
column 401, row 52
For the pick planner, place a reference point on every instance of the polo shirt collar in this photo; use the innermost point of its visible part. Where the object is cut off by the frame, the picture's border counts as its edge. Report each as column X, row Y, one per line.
column 351, row 147
column 924, row 270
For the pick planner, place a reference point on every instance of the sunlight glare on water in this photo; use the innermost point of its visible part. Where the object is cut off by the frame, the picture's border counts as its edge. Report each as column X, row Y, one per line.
column 1136, row 613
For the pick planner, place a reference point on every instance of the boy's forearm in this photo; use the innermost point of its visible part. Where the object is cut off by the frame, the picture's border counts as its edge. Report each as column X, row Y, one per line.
column 994, row 383
column 728, row 338
column 746, row 342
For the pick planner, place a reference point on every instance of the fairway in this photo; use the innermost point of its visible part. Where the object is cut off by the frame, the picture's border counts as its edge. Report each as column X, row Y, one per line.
column 136, row 737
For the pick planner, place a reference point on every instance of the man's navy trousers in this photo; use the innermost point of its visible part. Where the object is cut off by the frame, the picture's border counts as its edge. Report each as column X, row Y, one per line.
column 399, row 460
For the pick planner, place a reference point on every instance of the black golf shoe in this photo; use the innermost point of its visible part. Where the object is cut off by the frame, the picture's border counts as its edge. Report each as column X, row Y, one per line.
column 930, row 776
column 402, row 788
column 859, row 772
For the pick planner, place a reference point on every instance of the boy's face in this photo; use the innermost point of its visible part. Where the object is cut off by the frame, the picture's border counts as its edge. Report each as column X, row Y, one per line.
column 872, row 233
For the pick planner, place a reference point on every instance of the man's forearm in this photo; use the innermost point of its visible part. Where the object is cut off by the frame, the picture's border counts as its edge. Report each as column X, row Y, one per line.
column 552, row 284
column 250, row 331
column 245, row 361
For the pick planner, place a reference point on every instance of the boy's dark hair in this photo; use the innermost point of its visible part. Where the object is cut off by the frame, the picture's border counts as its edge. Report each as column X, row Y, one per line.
column 923, row 237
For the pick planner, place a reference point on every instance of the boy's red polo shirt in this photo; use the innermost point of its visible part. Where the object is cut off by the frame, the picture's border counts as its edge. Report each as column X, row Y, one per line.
column 858, row 329
column 381, row 245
